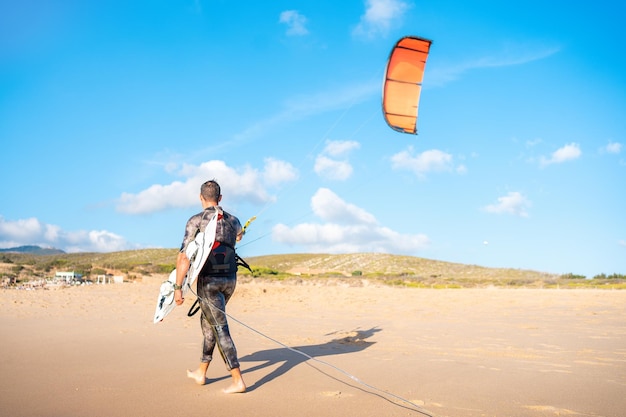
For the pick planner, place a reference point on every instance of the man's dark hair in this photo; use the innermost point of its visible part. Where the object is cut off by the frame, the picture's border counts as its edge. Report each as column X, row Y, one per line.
column 211, row 191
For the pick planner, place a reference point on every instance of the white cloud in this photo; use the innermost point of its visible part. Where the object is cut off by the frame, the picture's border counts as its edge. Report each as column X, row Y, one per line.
column 277, row 172
column 94, row 240
column 379, row 17
column 428, row 161
column 346, row 229
column 533, row 142
column 245, row 184
column 158, row 197
column 33, row 232
column 622, row 243
column 296, row 23
column 23, row 230
column 566, row 153
column 334, row 169
column 303, row 106
column 338, row 148
column 336, row 98
column 329, row 207
column 613, row 147
column 513, row 203
column 512, row 56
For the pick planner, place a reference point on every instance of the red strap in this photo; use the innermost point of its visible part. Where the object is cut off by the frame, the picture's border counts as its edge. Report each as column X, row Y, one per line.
column 220, row 216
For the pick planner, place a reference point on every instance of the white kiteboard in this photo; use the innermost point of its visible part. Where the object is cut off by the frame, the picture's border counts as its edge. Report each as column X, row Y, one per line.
column 198, row 251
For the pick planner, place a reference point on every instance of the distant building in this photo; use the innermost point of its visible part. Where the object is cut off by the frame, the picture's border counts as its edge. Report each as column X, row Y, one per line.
column 68, row 277
column 108, row 278
column 104, row 279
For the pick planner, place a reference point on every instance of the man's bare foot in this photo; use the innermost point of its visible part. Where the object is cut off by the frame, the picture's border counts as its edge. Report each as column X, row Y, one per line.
column 235, row 388
column 197, row 376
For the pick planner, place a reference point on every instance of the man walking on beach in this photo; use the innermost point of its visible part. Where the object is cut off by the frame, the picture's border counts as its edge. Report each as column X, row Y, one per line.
column 216, row 284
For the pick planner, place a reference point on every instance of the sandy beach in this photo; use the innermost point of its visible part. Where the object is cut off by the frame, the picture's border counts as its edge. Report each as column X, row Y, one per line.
column 94, row 351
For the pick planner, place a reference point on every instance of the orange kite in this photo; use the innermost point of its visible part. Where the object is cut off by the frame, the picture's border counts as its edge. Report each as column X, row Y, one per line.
column 403, row 83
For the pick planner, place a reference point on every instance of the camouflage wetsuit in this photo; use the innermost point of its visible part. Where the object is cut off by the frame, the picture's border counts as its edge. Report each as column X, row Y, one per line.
column 216, row 283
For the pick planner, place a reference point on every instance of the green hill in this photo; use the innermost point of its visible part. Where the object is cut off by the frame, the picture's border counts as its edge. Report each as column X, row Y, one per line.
column 349, row 268
column 395, row 269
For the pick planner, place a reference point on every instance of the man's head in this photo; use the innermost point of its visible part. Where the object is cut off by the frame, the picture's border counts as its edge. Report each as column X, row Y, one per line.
column 211, row 192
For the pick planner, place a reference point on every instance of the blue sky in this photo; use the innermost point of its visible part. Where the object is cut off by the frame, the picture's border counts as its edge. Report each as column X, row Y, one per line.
column 113, row 113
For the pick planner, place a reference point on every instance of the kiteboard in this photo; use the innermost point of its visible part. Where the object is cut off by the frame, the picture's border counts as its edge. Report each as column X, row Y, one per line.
column 198, row 251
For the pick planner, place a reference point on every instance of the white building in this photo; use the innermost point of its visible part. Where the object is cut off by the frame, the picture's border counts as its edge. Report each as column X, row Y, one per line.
column 68, row 277
column 108, row 278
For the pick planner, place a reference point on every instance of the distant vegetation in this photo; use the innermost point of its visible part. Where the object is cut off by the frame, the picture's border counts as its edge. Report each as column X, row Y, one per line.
column 131, row 264
column 350, row 269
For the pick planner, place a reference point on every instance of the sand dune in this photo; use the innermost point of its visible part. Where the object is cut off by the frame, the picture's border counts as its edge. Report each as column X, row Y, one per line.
column 93, row 351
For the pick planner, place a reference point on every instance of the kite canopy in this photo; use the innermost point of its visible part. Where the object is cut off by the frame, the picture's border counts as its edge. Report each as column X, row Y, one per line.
column 403, row 83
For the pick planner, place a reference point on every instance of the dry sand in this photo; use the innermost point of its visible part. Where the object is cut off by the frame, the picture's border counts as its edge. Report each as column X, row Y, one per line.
column 93, row 351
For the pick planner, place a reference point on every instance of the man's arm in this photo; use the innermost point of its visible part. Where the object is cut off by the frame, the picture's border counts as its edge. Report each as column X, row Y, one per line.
column 182, row 267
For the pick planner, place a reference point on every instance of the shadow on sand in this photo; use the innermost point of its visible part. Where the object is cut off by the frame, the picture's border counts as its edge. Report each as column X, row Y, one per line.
column 289, row 357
